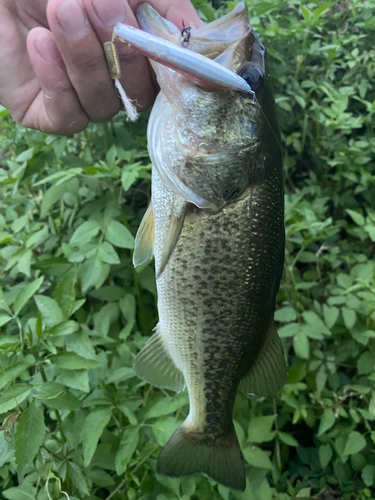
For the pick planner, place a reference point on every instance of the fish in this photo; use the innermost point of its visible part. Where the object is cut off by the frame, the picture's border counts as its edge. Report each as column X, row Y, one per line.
column 215, row 227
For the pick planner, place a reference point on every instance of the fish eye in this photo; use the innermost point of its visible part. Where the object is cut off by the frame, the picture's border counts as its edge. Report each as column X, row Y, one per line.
column 253, row 76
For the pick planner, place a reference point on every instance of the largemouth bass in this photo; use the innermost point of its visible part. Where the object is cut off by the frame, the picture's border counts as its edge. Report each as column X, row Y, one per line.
column 215, row 227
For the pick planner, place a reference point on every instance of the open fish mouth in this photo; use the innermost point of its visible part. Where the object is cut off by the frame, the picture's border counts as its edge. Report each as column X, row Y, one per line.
column 210, row 55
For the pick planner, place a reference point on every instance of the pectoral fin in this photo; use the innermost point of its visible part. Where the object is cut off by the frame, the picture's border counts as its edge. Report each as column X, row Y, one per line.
column 268, row 373
column 171, row 238
column 144, row 241
column 155, row 365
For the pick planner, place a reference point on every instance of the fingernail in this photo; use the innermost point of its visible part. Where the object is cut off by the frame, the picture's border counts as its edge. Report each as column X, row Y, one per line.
column 72, row 19
column 47, row 49
column 110, row 12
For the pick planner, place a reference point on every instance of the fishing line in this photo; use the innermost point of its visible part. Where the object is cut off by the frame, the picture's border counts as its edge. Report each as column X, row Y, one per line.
column 270, row 126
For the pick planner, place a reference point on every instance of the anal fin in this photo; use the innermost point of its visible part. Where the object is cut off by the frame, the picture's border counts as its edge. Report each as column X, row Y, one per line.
column 268, row 373
column 144, row 240
column 155, row 365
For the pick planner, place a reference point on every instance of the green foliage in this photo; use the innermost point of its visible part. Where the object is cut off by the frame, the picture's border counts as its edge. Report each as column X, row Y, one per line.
column 77, row 423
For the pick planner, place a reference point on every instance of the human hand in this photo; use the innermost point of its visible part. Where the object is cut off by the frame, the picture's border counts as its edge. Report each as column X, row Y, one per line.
column 53, row 72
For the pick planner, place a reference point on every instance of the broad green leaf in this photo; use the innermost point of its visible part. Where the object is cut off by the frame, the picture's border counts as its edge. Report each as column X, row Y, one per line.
column 301, row 345
column 107, row 253
column 25, row 295
column 13, row 397
column 4, row 319
column 355, row 443
column 13, row 372
column 85, row 232
column 90, row 272
column 357, row 217
column 128, row 414
column 8, row 342
column 51, row 313
column 52, row 196
column 127, row 447
column 128, row 178
column 78, row 479
column 120, row 375
column 368, row 475
column 75, row 379
column 330, row 314
column 260, row 429
column 6, row 449
column 257, row 457
column 325, row 454
column 65, row 292
column 285, row 315
column 29, row 436
column 56, row 396
column 71, row 361
column 349, row 317
column 119, row 235
column 167, row 405
column 326, row 422
column 91, row 432
column 287, row 438
column 24, row 492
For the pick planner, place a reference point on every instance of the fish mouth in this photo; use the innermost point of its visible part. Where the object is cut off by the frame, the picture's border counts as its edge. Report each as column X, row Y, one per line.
column 210, row 55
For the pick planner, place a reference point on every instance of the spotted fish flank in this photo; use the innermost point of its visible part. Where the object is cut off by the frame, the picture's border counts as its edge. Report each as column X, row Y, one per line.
column 215, row 227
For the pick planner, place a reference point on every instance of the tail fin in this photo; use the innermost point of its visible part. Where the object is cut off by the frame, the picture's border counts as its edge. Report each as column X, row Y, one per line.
column 190, row 452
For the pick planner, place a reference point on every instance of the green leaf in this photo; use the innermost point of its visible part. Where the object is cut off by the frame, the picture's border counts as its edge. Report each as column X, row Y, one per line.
column 85, row 232
column 107, row 253
column 163, row 429
column 52, row 196
column 330, row 314
column 25, row 295
column 355, row 443
column 328, row 419
column 349, row 317
column 119, row 235
column 78, row 479
column 65, row 292
column 13, row 397
column 287, row 438
column 75, row 379
column 91, row 432
column 28, row 437
column 357, row 217
column 56, row 396
column 4, row 319
column 368, row 475
column 24, row 492
column 325, row 454
column 260, row 429
column 90, row 272
column 285, row 315
column 126, row 449
column 167, row 405
column 128, row 178
column 13, row 372
column 51, row 313
column 301, row 345
column 71, row 361
column 257, row 457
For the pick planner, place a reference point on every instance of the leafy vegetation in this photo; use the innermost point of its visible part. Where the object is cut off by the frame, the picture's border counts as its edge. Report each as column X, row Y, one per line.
column 77, row 423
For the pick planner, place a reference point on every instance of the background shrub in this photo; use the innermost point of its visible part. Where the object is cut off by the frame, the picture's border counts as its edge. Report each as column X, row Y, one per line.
column 77, row 423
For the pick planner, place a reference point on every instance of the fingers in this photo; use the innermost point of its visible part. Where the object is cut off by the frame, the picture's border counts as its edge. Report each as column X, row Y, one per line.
column 80, row 27
column 56, row 107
